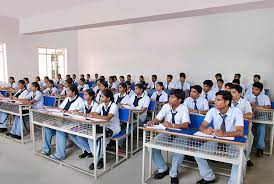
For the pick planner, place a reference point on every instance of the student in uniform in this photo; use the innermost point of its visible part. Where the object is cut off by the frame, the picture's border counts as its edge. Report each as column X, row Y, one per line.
column 196, row 103
column 259, row 100
column 140, row 101
column 96, row 88
column 129, row 78
column 67, row 83
column 51, row 90
column 217, row 76
column 237, row 76
column 208, row 93
column 160, row 95
column 130, row 92
column 122, row 79
column 175, row 115
column 102, row 87
column 182, row 84
column 74, row 78
column 68, row 76
column 82, row 76
column 112, row 85
column 115, row 80
column 27, row 84
column 220, row 85
column 96, row 77
column 82, row 85
column 245, row 107
column 20, row 94
column 12, row 84
column 256, row 78
column 88, row 78
column 34, row 98
column 90, row 107
column 142, row 80
column 228, row 86
column 71, row 103
column 152, row 84
column 108, row 111
column 121, row 98
column 169, row 85
column 227, row 122
column 59, row 81
column 41, row 83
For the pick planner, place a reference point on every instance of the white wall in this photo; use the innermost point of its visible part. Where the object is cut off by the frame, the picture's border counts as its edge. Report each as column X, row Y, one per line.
column 199, row 46
column 22, row 54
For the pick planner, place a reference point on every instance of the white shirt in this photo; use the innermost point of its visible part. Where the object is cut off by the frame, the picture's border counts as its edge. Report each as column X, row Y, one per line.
column 186, row 85
column 162, row 98
column 113, row 86
column 38, row 97
column 28, row 87
column 142, row 103
column 201, row 103
column 98, row 96
column 131, row 93
column 249, row 91
column 64, row 92
column 14, row 85
column 84, row 87
column 42, row 84
column 182, row 115
column 152, row 85
column 93, row 106
column 234, row 118
column 78, row 104
column 170, row 86
column 115, row 121
column 61, row 81
column 52, row 91
column 95, row 89
column 243, row 105
column 124, row 101
column 210, row 95
column 263, row 100
column 23, row 94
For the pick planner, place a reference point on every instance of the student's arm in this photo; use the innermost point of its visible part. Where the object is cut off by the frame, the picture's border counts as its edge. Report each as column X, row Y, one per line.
column 248, row 116
column 203, row 128
column 160, row 116
column 238, row 133
column 183, row 125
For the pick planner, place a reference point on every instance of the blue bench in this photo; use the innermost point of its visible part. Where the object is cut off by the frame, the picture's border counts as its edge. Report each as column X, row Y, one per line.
column 49, row 101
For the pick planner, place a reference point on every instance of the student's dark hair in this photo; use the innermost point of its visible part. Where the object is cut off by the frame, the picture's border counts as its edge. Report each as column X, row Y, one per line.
column 104, row 83
column 124, row 85
column 101, row 80
column 155, row 76
column 142, row 76
column 258, row 85
column 12, row 78
column 88, row 75
column 179, row 94
column 112, row 78
column 59, row 74
column 51, row 81
column 26, row 79
column 73, row 88
column 108, row 93
column 229, row 84
column 102, row 77
column 82, row 75
column 226, row 96
column 170, row 76
column 121, row 76
column 128, row 75
column 141, row 86
column 220, row 80
column 38, row 78
column 237, row 81
column 237, row 88
column 91, row 93
column 69, row 81
column 22, row 82
column 182, row 75
column 257, row 76
column 128, row 83
column 83, row 80
column 161, row 84
column 208, row 82
column 68, row 76
column 36, row 84
column 219, row 75
column 74, row 75
column 238, row 74
column 198, row 88
column 46, row 77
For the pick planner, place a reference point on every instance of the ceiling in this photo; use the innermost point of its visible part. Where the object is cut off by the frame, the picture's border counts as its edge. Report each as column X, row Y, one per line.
column 29, row 8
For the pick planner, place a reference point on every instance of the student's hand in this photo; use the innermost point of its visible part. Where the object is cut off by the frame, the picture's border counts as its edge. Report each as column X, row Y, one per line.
column 72, row 112
column 168, row 125
column 150, row 123
column 253, row 104
column 208, row 131
column 219, row 133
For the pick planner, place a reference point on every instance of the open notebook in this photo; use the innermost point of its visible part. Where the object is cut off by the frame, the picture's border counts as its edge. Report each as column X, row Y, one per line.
column 201, row 134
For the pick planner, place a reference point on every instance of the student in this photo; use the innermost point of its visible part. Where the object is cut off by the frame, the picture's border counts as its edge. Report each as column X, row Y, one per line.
column 152, row 84
column 96, row 77
column 59, row 81
column 130, row 92
column 227, row 122
column 140, row 101
column 102, row 78
column 51, row 90
column 259, row 100
column 96, row 88
column 102, row 87
column 88, row 78
column 228, row 86
column 122, row 79
column 74, row 78
column 245, row 107
column 90, row 107
column 67, row 83
column 256, row 78
column 45, row 83
column 82, row 76
column 67, row 77
column 129, row 78
column 237, row 76
column 196, row 103
column 219, row 86
column 121, row 98
column 169, row 85
column 34, row 98
column 20, row 94
column 27, row 84
column 41, row 83
column 82, row 85
column 175, row 115
column 108, row 111
column 112, row 85
column 142, row 80
column 71, row 103
column 182, row 84
column 115, row 80
column 12, row 85
column 208, row 93
column 217, row 76
column 160, row 95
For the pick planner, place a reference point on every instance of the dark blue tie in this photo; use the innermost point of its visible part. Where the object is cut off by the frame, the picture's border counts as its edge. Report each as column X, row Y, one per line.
column 173, row 116
column 195, row 105
column 223, row 128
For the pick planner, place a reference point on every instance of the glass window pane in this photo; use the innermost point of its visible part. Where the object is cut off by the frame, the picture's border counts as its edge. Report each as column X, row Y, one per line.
column 60, row 52
column 2, row 69
column 42, row 50
column 49, row 66
column 50, row 51
column 1, row 48
column 42, row 65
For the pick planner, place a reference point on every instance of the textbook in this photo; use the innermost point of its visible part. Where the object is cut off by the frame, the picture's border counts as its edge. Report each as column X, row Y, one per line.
column 201, row 134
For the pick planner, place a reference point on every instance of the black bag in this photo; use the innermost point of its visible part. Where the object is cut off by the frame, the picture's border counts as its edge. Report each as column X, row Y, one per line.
column 99, row 129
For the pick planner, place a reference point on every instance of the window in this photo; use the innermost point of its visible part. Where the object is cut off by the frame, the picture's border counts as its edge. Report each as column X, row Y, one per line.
column 3, row 63
column 52, row 62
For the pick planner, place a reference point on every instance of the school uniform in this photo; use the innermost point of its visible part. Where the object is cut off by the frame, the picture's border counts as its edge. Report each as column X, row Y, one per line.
column 51, row 91
column 160, row 97
column 113, row 86
column 121, row 100
column 130, row 93
column 152, row 85
column 98, row 97
column 114, row 126
column 61, row 137
column 227, row 123
column 170, row 85
column 138, row 103
column 14, row 86
column 83, row 88
column 64, row 92
column 183, row 85
column 178, row 116
column 200, row 104
column 209, row 96
column 248, row 92
column 96, row 89
column 38, row 97
column 215, row 90
column 260, row 100
column 82, row 142
column 60, row 81
column 42, row 84
column 28, row 87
